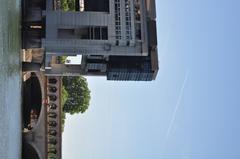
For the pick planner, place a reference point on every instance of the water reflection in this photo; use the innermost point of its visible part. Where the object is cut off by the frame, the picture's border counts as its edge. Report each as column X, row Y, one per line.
column 10, row 80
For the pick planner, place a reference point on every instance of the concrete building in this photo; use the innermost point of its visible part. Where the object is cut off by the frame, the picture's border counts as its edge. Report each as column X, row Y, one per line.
column 116, row 38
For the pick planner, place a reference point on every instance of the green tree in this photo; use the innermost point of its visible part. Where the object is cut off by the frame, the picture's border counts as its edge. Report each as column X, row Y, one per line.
column 68, row 5
column 78, row 94
column 63, row 101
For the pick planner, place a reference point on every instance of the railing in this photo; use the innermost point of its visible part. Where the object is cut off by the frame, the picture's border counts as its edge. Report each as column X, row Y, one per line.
column 54, row 127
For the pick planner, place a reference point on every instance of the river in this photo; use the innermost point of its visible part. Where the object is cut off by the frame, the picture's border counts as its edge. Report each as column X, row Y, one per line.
column 10, row 80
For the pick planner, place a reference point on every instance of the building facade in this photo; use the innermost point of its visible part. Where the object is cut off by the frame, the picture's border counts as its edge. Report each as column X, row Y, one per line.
column 104, row 32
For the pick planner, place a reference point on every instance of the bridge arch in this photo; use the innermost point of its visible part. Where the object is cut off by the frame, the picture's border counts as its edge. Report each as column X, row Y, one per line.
column 33, row 101
column 43, row 109
column 30, row 152
column 45, row 136
column 34, row 136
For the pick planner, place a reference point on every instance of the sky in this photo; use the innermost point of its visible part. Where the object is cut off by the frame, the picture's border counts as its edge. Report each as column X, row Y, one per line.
column 191, row 111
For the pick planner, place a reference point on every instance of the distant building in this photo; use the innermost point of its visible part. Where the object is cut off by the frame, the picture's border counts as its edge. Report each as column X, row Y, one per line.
column 116, row 38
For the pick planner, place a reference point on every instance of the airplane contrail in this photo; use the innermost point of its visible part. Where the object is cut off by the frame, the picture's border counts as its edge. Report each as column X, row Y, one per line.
column 177, row 105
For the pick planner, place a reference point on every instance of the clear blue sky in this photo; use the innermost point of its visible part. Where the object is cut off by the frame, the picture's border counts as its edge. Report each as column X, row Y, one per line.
column 190, row 112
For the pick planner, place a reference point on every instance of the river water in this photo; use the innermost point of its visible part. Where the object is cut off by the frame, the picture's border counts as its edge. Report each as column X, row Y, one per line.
column 10, row 80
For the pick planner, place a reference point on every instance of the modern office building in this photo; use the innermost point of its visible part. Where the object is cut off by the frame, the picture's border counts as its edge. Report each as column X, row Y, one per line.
column 116, row 38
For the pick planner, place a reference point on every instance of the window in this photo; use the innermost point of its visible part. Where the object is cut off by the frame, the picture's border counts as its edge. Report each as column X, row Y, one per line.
column 128, row 20
column 96, row 5
column 97, row 33
column 117, row 19
column 138, row 31
column 137, row 10
column 94, row 33
column 66, row 33
column 104, row 33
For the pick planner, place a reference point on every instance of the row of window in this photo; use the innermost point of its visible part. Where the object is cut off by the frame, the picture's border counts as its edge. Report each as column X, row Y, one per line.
column 101, row 33
column 88, row 33
column 137, row 15
column 129, row 75
column 128, row 20
column 117, row 19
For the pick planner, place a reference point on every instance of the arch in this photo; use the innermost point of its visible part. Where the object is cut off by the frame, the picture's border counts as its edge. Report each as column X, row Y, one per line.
column 52, row 123
column 51, row 156
column 52, row 97
column 52, row 141
column 52, row 89
column 52, row 80
column 32, row 101
column 52, row 105
column 52, row 132
column 52, row 114
column 29, row 152
column 52, row 150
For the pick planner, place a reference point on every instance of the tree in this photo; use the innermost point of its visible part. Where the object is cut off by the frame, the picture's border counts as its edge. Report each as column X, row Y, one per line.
column 63, row 101
column 78, row 94
column 68, row 5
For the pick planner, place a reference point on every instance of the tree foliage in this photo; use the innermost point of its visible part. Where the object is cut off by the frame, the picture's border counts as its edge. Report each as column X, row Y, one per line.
column 68, row 5
column 64, row 95
column 78, row 94
column 62, row 59
column 63, row 101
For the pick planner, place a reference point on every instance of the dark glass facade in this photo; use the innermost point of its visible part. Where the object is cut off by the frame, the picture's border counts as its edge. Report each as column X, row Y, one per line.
column 96, row 5
column 129, row 68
